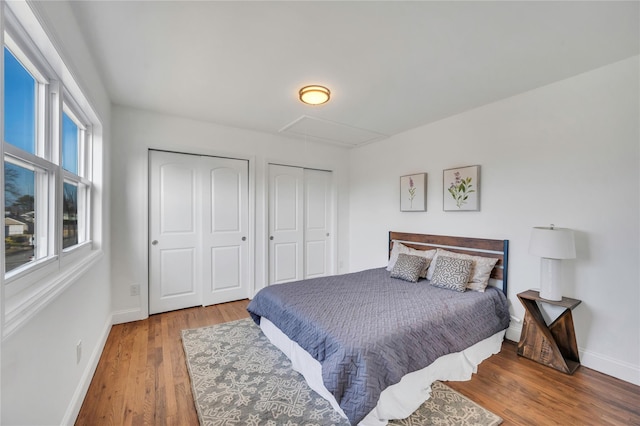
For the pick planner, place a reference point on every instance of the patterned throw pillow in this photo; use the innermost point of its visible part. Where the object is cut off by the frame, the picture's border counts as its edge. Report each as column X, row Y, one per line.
column 408, row 267
column 451, row 273
column 398, row 248
column 427, row 254
column 480, row 270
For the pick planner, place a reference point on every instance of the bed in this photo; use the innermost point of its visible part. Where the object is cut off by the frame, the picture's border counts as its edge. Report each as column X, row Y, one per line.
column 372, row 342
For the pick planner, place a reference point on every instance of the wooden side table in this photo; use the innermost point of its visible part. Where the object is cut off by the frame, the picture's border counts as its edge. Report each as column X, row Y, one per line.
column 553, row 345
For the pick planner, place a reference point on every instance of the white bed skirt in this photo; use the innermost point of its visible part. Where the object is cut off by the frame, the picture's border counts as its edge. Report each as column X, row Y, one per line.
column 397, row 401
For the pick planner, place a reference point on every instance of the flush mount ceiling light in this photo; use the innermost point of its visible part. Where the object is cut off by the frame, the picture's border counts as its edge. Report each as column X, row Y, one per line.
column 314, row 95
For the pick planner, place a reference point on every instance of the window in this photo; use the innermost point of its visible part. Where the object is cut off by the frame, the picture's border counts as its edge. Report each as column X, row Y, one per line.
column 76, row 188
column 70, row 140
column 69, row 215
column 27, row 176
column 44, row 166
column 19, row 104
column 47, row 153
column 19, row 215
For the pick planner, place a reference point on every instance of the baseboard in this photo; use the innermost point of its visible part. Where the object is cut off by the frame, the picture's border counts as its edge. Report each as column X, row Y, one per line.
column 595, row 361
column 513, row 332
column 128, row 315
column 609, row 366
column 85, row 380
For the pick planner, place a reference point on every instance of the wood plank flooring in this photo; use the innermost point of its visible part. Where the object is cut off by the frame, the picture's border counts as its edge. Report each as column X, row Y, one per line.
column 142, row 379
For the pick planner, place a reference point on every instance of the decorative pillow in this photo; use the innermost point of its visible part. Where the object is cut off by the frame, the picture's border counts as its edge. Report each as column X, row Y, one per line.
column 408, row 267
column 395, row 251
column 427, row 254
column 451, row 273
column 401, row 248
column 480, row 270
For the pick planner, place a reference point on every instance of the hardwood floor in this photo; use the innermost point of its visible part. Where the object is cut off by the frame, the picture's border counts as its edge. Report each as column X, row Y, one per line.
column 142, row 379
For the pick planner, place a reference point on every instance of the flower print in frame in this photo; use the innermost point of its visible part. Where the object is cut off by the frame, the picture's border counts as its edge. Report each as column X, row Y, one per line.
column 461, row 189
column 413, row 193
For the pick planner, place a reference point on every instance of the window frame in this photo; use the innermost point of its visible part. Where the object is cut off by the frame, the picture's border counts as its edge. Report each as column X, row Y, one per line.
column 26, row 291
column 45, row 176
column 44, row 140
column 82, row 180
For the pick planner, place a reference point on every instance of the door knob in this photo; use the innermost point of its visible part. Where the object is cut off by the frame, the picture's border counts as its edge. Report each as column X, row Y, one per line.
column 244, row 238
column 271, row 237
column 154, row 242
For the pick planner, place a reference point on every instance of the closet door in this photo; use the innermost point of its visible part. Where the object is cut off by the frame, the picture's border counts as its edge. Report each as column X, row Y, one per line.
column 198, row 226
column 175, row 278
column 300, row 212
column 286, row 223
column 225, row 199
column 317, row 223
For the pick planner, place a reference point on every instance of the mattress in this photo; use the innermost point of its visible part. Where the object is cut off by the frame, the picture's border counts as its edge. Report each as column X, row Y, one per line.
column 397, row 401
column 368, row 330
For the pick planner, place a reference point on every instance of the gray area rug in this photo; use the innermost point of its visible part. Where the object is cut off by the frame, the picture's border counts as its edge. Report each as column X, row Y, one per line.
column 240, row 378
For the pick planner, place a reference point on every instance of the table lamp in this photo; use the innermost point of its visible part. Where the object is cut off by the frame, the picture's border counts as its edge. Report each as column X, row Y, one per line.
column 551, row 244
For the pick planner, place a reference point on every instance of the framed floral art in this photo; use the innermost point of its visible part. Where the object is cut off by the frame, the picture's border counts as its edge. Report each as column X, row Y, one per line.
column 413, row 193
column 461, row 189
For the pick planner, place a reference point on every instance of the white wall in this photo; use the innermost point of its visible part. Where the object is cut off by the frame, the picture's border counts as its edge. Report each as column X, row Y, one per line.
column 136, row 131
column 566, row 154
column 41, row 381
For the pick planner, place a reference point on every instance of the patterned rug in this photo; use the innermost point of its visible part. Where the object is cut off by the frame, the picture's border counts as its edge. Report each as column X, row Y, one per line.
column 240, row 378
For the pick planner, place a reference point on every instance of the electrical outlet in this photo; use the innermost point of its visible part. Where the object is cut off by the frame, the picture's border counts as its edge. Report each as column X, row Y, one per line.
column 79, row 352
column 134, row 289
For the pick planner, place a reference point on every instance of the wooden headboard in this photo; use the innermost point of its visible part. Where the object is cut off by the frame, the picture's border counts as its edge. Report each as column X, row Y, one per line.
column 474, row 246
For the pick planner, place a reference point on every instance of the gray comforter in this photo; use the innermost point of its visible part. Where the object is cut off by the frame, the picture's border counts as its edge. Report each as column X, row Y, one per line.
column 368, row 330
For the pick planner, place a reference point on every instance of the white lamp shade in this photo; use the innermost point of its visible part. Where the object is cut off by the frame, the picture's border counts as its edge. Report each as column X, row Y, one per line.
column 552, row 243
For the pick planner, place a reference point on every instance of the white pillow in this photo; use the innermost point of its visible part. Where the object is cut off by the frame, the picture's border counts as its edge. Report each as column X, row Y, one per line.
column 395, row 251
column 480, row 271
column 401, row 248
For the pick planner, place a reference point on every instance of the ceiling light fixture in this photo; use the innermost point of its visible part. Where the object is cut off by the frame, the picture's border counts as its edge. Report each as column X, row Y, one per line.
column 314, row 95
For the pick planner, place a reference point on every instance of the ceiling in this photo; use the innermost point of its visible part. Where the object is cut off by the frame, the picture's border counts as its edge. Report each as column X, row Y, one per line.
column 391, row 66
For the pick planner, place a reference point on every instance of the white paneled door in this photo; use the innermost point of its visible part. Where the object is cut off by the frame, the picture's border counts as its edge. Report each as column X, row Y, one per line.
column 299, row 223
column 225, row 221
column 286, row 223
column 317, row 223
column 198, row 230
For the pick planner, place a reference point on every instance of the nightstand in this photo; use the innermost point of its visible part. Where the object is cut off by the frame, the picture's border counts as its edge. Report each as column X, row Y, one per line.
column 553, row 345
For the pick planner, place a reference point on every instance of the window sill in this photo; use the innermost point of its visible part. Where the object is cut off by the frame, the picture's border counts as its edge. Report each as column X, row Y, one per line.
column 23, row 306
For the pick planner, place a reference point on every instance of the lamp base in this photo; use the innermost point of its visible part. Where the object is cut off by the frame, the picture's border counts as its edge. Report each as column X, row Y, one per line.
column 550, row 285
